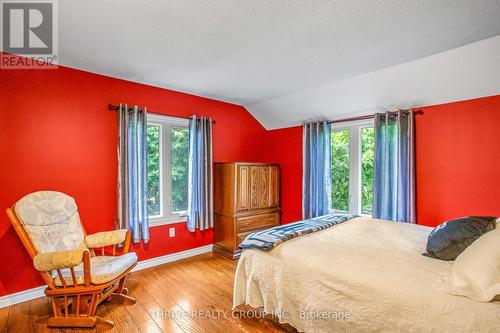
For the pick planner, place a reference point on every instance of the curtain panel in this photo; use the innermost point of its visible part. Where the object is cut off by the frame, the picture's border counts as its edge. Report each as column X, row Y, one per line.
column 200, row 178
column 394, row 174
column 317, row 164
column 132, row 208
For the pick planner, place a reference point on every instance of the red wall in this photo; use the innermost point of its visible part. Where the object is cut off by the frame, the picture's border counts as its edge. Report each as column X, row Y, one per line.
column 57, row 134
column 285, row 148
column 458, row 160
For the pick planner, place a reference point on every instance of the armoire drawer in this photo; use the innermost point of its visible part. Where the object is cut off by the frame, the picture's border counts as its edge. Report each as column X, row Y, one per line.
column 241, row 237
column 255, row 222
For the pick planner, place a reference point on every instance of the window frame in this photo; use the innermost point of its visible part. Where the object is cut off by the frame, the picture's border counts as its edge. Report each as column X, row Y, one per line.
column 355, row 129
column 166, row 123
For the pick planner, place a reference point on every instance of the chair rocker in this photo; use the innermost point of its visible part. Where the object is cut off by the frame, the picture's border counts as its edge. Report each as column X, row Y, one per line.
column 80, row 270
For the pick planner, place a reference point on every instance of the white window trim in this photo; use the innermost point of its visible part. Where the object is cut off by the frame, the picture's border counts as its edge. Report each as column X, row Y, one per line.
column 166, row 123
column 355, row 132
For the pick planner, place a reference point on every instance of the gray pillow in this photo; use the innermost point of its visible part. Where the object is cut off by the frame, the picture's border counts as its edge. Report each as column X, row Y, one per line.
column 450, row 238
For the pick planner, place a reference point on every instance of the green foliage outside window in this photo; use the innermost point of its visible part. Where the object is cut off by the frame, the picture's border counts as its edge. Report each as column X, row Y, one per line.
column 180, row 156
column 153, row 160
column 340, row 170
column 367, row 158
column 179, row 159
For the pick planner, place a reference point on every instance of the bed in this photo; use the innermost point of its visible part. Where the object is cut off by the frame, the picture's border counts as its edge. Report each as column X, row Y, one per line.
column 363, row 275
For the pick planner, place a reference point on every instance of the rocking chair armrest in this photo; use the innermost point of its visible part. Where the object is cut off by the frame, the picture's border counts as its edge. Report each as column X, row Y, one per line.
column 107, row 238
column 50, row 261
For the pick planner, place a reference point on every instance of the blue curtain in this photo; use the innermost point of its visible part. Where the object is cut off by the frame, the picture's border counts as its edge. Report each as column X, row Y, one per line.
column 394, row 175
column 132, row 187
column 200, row 179
column 317, row 161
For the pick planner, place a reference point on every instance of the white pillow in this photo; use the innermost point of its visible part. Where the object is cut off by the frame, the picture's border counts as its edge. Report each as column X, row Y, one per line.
column 476, row 271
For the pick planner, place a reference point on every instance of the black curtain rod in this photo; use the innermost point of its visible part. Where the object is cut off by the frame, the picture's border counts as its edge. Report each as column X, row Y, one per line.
column 370, row 116
column 112, row 107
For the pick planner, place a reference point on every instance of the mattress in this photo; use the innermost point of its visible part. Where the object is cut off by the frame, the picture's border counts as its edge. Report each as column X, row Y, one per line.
column 364, row 275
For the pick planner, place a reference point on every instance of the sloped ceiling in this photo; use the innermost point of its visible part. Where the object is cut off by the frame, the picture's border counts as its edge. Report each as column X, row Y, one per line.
column 291, row 61
column 467, row 72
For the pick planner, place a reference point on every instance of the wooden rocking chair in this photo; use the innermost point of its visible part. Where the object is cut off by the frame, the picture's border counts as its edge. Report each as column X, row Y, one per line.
column 77, row 279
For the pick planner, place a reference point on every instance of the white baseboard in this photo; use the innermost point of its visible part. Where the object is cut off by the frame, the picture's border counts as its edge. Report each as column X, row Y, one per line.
column 22, row 296
column 172, row 257
column 37, row 292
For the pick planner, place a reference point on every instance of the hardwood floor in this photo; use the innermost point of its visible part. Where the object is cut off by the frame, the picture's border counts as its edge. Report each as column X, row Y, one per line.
column 190, row 295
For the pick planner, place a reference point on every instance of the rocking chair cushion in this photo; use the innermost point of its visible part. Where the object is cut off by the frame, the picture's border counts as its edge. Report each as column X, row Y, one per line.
column 51, row 221
column 50, row 261
column 103, row 269
column 106, row 238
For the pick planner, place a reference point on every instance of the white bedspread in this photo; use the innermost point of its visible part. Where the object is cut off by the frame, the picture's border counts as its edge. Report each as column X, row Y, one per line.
column 369, row 272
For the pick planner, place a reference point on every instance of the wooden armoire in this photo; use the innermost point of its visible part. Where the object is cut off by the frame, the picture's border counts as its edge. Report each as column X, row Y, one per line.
column 246, row 199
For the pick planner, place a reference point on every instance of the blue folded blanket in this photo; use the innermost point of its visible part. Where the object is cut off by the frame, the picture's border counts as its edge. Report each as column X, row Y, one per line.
column 270, row 238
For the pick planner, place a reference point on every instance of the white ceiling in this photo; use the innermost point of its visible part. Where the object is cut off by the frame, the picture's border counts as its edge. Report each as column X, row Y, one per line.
column 280, row 58
column 466, row 72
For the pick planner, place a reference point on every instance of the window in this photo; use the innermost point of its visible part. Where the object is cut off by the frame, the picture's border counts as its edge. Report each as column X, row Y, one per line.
column 367, row 159
column 353, row 149
column 168, row 153
column 340, row 170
